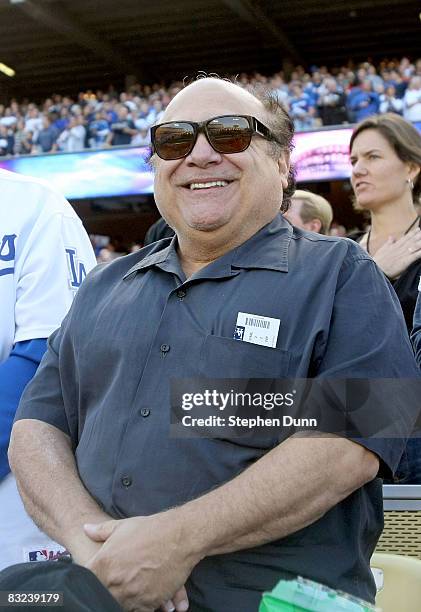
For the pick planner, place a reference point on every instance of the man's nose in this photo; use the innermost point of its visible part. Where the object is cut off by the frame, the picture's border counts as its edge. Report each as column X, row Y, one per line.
column 203, row 153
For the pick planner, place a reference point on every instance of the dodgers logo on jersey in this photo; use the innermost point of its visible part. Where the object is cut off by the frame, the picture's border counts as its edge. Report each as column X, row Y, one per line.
column 76, row 268
column 7, row 252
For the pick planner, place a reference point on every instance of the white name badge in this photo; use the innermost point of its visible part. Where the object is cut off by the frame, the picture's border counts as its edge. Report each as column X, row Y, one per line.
column 257, row 329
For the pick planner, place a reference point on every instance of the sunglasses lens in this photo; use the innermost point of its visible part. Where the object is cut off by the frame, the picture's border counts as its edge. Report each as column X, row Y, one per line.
column 229, row 134
column 173, row 140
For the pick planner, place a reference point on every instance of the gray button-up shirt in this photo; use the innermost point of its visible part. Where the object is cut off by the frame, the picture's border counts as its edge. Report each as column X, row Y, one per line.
column 137, row 322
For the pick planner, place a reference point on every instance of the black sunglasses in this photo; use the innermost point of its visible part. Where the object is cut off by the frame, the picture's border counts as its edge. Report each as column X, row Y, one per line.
column 225, row 134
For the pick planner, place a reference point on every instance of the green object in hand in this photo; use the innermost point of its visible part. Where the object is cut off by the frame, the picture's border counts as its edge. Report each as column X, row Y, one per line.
column 303, row 595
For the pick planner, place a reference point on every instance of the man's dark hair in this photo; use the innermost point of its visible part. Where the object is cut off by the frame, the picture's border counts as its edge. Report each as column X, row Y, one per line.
column 282, row 126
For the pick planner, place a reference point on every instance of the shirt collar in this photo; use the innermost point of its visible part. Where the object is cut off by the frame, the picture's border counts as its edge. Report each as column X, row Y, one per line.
column 163, row 255
column 267, row 249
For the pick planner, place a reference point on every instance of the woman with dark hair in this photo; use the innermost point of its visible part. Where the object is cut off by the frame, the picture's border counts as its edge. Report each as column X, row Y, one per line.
column 385, row 152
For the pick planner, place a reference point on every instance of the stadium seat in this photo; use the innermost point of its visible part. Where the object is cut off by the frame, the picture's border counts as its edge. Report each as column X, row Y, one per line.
column 398, row 581
column 402, row 521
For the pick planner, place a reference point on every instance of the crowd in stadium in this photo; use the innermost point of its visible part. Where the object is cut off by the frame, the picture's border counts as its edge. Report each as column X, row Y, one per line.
column 319, row 96
column 172, row 308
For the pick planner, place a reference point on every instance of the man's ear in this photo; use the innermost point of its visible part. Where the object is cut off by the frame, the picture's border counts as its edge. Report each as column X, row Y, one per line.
column 283, row 166
column 314, row 225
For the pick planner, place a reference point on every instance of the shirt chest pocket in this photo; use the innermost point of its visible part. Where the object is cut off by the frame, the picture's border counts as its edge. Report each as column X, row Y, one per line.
column 228, row 358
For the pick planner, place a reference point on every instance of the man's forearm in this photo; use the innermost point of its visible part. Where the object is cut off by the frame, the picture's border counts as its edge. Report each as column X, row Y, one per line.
column 45, row 469
column 146, row 559
column 289, row 488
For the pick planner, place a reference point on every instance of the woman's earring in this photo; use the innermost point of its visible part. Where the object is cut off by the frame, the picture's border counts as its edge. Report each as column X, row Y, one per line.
column 410, row 183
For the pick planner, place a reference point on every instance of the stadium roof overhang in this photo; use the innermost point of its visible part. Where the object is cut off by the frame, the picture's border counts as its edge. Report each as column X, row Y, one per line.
column 63, row 46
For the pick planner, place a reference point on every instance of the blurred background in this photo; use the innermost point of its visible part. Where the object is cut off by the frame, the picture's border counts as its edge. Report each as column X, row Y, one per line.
column 82, row 81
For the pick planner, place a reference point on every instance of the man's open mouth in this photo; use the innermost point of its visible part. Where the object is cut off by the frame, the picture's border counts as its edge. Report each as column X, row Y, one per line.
column 207, row 184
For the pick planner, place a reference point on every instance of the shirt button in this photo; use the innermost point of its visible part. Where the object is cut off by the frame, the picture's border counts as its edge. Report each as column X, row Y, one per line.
column 181, row 293
column 126, row 481
column 164, row 348
column 145, row 412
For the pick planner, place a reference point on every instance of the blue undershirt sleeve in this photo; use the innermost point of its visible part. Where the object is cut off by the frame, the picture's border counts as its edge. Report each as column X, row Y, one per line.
column 15, row 373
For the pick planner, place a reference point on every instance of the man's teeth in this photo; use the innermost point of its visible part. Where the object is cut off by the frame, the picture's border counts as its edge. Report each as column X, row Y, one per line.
column 207, row 185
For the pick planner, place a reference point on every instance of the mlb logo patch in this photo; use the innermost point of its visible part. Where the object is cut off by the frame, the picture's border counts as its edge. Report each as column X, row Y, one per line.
column 38, row 555
column 239, row 332
column 45, row 554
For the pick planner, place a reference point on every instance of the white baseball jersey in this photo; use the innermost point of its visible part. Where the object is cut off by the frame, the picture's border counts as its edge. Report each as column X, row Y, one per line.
column 45, row 254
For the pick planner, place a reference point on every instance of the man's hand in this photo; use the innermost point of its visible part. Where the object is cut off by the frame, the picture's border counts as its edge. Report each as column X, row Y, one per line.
column 395, row 256
column 178, row 603
column 143, row 561
column 83, row 549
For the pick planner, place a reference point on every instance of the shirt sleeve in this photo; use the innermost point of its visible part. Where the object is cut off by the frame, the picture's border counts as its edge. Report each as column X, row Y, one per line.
column 15, row 373
column 52, row 264
column 53, row 395
column 53, row 258
column 43, row 399
column 368, row 341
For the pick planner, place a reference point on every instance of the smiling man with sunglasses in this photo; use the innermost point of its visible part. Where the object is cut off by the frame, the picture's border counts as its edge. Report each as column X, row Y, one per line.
column 237, row 293
column 213, row 176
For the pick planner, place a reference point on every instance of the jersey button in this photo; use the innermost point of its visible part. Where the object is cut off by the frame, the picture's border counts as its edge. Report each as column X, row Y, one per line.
column 164, row 348
column 126, row 481
column 181, row 293
column 145, row 412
